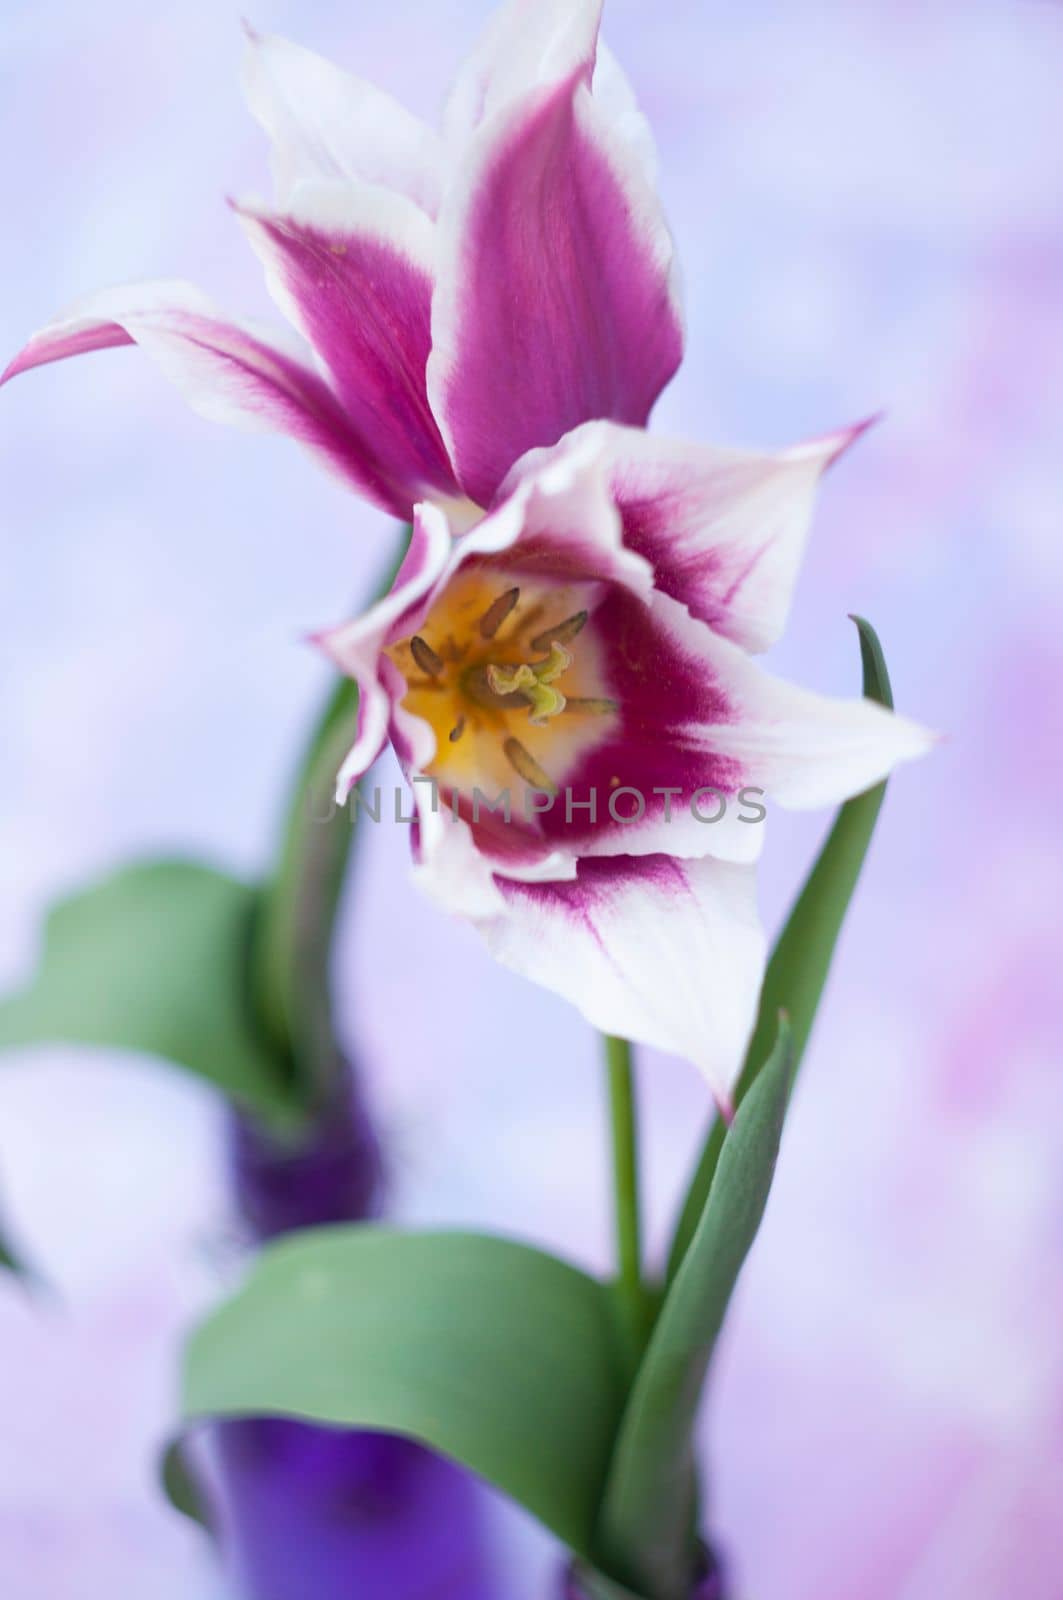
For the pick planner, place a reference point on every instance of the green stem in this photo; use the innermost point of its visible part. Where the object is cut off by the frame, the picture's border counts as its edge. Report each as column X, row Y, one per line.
column 292, row 947
column 624, row 1121
column 291, row 951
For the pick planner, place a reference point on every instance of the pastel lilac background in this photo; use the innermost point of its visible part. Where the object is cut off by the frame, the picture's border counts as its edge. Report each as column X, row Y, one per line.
column 867, row 207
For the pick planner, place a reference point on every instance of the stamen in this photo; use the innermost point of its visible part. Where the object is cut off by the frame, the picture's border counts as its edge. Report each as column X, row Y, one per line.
column 458, row 729
column 525, row 766
column 592, row 706
column 426, row 657
column 497, row 612
column 562, row 633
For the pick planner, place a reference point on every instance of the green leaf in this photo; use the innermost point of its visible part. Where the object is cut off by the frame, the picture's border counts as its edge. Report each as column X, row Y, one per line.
column 154, row 960
column 801, row 959
column 647, row 1521
column 489, row 1352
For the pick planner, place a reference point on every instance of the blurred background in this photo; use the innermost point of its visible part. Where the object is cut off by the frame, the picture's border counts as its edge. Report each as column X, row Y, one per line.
column 867, row 207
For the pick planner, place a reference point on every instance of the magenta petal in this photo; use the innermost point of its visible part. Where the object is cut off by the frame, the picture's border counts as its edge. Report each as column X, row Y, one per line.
column 554, row 303
column 57, row 342
column 351, row 268
column 659, row 755
column 227, row 371
column 724, row 530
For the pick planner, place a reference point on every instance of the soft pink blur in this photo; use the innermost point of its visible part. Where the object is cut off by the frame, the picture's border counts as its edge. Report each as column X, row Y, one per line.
column 867, row 211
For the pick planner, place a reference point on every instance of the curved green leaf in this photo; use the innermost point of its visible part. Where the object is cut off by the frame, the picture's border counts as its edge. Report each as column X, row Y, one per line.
column 647, row 1522
column 801, row 959
column 489, row 1352
column 154, row 959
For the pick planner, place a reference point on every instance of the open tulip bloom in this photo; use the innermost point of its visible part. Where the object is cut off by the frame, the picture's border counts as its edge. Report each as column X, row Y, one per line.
column 564, row 661
column 570, row 688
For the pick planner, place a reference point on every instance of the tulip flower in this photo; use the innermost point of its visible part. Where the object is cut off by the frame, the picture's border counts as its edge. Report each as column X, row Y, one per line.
column 460, row 298
column 570, row 688
column 571, row 627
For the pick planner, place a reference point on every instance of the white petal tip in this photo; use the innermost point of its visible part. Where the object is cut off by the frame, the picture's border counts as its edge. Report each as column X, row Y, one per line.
column 912, row 739
column 826, row 448
column 837, row 444
column 323, row 639
column 247, row 208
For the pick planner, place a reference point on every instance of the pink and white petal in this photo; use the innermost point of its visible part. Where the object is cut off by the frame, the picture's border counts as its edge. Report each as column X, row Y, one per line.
column 455, row 863
column 555, row 514
column 351, row 267
column 655, row 780
column 530, row 43
column 555, row 518
column 725, row 530
column 614, row 95
column 555, row 301
column 697, row 713
column 559, row 517
column 451, row 864
column 326, row 124
column 667, row 953
column 227, row 371
column 454, row 871
column 807, row 750
column 803, row 749
column 450, row 869
column 526, row 44
column 356, row 647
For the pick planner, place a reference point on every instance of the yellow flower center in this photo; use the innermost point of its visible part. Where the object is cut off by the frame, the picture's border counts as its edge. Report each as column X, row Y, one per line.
column 508, row 681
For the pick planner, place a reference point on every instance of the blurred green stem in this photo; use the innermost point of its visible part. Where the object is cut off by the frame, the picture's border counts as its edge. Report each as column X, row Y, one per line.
column 292, row 947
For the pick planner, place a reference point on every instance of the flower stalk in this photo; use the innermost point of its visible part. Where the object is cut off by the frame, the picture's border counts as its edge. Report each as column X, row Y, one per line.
column 293, row 937
column 623, row 1114
column 292, row 946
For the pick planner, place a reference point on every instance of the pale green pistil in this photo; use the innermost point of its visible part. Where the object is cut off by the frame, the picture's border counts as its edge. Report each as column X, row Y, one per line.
column 535, row 681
